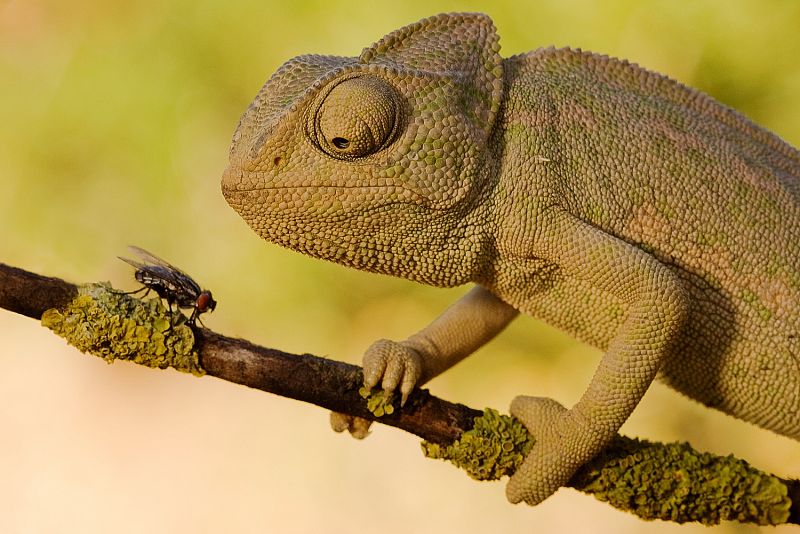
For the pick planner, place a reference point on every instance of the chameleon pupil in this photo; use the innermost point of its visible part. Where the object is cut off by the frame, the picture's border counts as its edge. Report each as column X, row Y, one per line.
column 340, row 142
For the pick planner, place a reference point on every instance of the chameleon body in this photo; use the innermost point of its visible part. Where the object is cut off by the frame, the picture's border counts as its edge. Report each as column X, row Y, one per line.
column 642, row 216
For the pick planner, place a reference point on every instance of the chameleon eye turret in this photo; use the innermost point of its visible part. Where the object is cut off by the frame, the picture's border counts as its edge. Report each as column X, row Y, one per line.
column 356, row 118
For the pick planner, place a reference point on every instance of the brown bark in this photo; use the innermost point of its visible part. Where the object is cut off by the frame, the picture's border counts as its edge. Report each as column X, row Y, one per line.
column 326, row 383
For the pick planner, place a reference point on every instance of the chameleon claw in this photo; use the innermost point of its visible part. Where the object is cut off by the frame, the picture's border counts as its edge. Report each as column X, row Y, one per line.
column 407, row 387
column 394, row 365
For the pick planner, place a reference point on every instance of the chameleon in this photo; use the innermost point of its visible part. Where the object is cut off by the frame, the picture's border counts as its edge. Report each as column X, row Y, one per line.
column 640, row 215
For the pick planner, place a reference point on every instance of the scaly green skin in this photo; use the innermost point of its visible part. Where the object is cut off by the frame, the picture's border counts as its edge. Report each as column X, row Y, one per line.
column 643, row 217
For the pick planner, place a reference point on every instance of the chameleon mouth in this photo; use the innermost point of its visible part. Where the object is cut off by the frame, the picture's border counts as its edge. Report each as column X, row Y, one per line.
column 239, row 186
column 309, row 194
column 234, row 181
column 330, row 204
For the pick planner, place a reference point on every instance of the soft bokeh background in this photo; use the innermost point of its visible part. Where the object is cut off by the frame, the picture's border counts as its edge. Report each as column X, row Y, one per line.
column 115, row 118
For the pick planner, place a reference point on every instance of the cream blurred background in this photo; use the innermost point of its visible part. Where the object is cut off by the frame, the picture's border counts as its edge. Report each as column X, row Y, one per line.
column 115, row 118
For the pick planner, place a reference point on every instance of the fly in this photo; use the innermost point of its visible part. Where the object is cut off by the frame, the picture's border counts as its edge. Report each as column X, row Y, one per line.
column 171, row 284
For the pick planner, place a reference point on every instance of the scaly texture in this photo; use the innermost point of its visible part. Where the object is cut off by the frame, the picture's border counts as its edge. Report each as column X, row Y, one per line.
column 640, row 215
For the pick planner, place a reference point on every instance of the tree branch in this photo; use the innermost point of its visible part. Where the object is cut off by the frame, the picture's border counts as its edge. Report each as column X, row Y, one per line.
column 326, row 383
column 634, row 475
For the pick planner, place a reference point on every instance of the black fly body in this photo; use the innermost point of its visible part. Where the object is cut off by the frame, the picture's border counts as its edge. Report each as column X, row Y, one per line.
column 171, row 284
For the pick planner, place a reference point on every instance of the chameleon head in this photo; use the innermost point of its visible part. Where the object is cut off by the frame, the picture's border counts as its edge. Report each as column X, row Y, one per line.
column 377, row 162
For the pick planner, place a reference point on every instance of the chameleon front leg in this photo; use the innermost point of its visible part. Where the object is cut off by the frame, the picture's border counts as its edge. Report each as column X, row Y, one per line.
column 657, row 306
column 459, row 331
column 463, row 328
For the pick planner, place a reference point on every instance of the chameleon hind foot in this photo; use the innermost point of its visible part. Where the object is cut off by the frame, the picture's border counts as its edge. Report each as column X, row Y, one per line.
column 563, row 444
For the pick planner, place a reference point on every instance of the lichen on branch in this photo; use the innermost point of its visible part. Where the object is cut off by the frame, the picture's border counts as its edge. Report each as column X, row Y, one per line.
column 671, row 482
column 116, row 326
column 379, row 402
column 495, row 447
column 674, row 482
column 667, row 481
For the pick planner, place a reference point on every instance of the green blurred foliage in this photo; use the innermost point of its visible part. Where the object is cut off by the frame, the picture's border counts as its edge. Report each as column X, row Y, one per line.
column 116, row 118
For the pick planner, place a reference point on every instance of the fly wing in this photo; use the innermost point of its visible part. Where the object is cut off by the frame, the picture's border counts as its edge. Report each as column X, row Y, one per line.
column 150, row 259
column 158, row 278
column 134, row 263
column 184, row 284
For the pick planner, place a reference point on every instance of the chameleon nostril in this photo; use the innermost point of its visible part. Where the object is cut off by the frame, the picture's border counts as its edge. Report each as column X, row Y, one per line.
column 277, row 161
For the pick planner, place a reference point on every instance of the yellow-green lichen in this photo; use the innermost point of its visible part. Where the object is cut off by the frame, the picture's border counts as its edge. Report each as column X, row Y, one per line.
column 379, row 403
column 114, row 325
column 674, row 482
column 496, row 446
column 671, row 481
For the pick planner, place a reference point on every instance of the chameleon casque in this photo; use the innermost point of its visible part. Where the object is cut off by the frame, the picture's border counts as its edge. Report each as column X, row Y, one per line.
column 640, row 215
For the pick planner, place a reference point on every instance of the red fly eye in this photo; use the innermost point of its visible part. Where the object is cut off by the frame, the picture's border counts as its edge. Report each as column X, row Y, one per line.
column 203, row 301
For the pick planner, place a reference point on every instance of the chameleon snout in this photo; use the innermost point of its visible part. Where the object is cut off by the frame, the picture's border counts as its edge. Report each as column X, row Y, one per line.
column 238, row 179
column 231, row 178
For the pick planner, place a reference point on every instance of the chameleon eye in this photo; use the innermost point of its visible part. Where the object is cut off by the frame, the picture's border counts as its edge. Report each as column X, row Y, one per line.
column 356, row 118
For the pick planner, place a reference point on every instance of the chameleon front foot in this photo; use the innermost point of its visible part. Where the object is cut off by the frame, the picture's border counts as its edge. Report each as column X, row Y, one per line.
column 393, row 365
column 562, row 445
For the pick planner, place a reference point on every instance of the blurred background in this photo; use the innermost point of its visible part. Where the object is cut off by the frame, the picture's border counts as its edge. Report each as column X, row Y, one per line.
column 115, row 119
